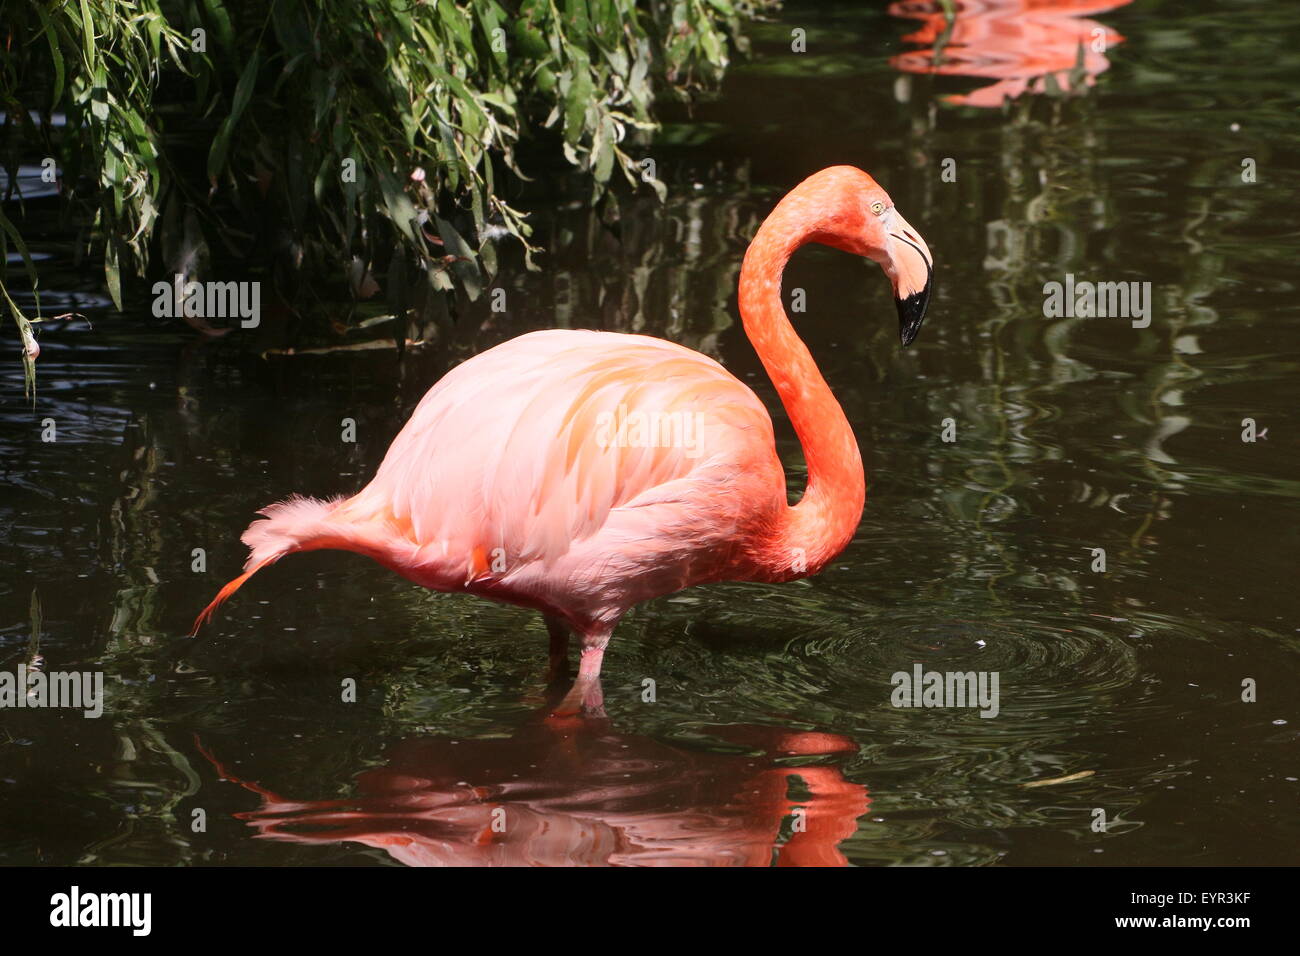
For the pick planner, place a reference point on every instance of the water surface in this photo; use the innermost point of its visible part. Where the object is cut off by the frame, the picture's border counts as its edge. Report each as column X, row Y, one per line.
column 772, row 737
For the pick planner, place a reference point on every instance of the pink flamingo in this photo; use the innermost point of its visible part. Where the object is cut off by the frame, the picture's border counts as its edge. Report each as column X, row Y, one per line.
column 579, row 472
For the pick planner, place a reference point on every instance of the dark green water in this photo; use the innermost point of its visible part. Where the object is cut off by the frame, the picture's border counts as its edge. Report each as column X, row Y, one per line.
column 1072, row 434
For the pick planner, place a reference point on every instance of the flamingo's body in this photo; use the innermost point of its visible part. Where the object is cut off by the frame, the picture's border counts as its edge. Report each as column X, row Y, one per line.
column 581, row 472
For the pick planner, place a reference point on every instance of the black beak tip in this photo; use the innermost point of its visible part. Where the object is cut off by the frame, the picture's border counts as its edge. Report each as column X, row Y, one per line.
column 911, row 313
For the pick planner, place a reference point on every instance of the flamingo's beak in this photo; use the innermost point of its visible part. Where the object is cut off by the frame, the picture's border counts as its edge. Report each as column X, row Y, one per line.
column 911, row 267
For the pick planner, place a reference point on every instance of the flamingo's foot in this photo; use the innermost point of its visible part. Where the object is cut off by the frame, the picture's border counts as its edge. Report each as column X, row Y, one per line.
column 585, row 697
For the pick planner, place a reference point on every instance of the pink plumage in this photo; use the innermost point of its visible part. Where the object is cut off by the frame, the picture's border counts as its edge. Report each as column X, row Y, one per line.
column 582, row 472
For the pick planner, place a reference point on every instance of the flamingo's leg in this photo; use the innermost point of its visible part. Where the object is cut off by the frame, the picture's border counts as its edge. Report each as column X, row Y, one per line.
column 559, row 659
column 586, row 693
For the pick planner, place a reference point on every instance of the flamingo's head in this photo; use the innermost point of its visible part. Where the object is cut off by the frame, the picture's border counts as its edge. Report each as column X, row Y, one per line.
column 858, row 216
column 907, row 261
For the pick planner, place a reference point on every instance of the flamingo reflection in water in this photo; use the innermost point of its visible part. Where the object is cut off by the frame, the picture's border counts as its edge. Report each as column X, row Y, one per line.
column 577, row 794
column 1019, row 43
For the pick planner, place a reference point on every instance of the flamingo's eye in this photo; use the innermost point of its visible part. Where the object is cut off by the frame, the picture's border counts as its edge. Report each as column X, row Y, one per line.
column 877, row 207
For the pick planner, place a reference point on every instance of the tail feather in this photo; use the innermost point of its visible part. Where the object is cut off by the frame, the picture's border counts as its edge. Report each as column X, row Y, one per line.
column 230, row 588
column 287, row 526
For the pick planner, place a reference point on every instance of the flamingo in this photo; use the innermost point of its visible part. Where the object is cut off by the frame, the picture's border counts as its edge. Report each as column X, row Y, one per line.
column 580, row 472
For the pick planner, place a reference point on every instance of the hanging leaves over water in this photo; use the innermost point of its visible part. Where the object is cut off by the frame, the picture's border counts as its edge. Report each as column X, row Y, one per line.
column 337, row 129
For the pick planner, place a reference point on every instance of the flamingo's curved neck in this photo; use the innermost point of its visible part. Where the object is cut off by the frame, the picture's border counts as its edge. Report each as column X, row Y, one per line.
column 812, row 532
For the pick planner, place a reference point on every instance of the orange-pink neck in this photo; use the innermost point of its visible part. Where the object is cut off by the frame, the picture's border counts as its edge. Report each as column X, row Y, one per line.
column 822, row 524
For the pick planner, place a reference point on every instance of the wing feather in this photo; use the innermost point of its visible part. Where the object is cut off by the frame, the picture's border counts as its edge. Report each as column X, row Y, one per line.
column 504, row 451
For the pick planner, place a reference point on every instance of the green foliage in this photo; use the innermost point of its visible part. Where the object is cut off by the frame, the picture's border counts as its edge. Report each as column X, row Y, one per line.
column 99, row 62
column 346, row 136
